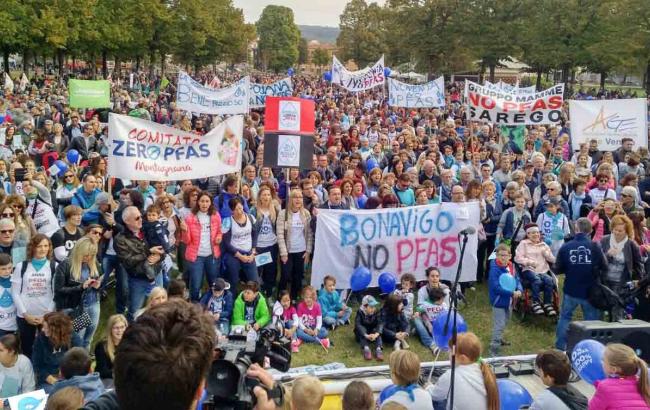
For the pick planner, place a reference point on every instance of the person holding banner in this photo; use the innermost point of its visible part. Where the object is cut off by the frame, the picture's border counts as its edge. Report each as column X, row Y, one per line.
column 202, row 236
column 295, row 241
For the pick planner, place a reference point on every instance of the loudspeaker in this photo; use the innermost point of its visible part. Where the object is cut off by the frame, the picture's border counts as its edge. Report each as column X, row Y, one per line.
column 633, row 333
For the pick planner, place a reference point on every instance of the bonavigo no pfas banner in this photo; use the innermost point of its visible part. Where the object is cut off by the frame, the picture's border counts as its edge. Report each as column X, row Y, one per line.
column 511, row 108
column 194, row 97
column 141, row 149
column 608, row 122
column 396, row 240
column 431, row 94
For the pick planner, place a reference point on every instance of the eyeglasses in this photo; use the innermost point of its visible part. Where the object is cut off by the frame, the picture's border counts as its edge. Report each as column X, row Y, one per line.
column 137, row 218
column 6, row 231
column 625, row 195
column 96, row 232
column 8, row 215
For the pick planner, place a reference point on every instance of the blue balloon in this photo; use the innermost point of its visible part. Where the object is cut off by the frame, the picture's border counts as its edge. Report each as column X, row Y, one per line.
column 361, row 278
column 440, row 337
column 387, row 392
column 587, row 360
column 513, row 395
column 387, row 72
column 62, row 167
column 387, row 282
column 72, row 156
column 290, row 71
column 327, row 76
column 371, row 164
column 508, row 282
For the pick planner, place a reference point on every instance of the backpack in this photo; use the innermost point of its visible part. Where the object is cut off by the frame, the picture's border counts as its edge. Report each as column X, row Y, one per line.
column 571, row 398
column 23, row 269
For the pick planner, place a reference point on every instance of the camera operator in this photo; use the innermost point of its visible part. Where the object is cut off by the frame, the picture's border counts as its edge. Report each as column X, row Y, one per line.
column 162, row 360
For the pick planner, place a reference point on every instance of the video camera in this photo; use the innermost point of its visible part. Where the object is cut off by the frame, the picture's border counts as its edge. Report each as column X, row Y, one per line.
column 228, row 387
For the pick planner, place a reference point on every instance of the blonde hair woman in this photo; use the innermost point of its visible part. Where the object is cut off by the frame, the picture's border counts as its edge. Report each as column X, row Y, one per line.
column 266, row 214
column 76, row 285
column 157, row 296
column 105, row 350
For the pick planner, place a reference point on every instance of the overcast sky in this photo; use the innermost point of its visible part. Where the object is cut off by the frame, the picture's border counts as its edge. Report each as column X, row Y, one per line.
column 311, row 12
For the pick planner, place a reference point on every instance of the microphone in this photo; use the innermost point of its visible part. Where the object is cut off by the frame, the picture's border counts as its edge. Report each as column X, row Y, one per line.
column 468, row 231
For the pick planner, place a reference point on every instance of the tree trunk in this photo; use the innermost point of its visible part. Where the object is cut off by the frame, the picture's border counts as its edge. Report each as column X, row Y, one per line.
column 603, row 77
column 152, row 60
column 492, row 68
column 5, row 60
column 74, row 63
column 118, row 66
column 162, row 63
column 26, row 63
column 61, row 56
column 538, row 83
column 104, row 64
column 137, row 64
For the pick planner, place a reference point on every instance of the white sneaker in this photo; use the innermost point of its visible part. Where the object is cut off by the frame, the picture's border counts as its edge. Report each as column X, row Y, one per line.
column 397, row 346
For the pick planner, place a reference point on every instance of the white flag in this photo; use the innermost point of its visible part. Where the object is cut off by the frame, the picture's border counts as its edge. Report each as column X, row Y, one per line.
column 9, row 83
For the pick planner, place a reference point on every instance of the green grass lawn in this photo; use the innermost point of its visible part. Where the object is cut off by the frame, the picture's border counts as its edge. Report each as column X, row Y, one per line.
column 527, row 336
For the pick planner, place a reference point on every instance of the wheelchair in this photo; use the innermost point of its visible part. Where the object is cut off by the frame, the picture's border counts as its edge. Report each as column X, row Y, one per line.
column 524, row 305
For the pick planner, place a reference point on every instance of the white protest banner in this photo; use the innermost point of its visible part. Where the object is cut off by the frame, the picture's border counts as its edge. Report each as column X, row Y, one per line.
column 501, row 86
column 34, row 400
column 396, row 240
column 141, row 149
column 339, row 69
column 360, row 81
column 259, row 92
column 194, row 97
column 608, row 122
column 503, row 108
column 431, row 94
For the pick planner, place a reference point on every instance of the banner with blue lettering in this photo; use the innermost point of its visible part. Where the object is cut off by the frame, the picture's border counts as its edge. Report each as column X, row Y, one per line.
column 194, row 97
column 141, row 149
column 259, row 92
column 396, row 240
column 431, row 94
column 363, row 79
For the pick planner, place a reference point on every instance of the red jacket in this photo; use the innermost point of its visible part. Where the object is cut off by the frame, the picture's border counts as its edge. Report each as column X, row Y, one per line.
column 617, row 393
column 192, row 236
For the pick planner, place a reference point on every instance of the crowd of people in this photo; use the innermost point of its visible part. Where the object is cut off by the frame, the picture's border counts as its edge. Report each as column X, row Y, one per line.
column 67, row 236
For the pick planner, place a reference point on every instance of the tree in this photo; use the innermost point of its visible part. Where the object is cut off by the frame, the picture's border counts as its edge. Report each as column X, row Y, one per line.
column 320, row 57
column 14, row 30
column 278, row 38
column 303, row 51
column 362, row 37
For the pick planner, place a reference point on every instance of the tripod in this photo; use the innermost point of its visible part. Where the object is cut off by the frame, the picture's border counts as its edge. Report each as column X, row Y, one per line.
column 453, row 307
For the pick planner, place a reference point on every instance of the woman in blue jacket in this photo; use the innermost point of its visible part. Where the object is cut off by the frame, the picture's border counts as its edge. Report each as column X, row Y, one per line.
column 500, row 298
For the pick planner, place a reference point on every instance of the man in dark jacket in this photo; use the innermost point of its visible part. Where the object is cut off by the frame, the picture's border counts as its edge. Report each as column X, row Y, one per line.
column 85, row 143
column 581, row 261
column 143, row 265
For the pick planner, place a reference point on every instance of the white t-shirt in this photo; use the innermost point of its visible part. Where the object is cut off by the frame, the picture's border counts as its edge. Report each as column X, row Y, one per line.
column 37, row 296
column 7, row 310
column 241, row 237
column 44, row 218
column 297, row 240
column 267, row 236
column 204, row 245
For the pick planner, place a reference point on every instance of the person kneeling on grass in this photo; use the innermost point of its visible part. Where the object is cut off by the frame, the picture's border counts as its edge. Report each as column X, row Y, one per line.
column 555, row 370
column 310, row 319
column 500, row 298
column 285, row 319
column 250, row 311
column 368, row 327
column 335, row 311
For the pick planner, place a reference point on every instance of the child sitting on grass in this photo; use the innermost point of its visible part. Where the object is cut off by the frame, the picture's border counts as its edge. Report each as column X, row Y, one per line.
column 285, row 319
column 335, row 311
column 555, row 370
column 395, row 324
column 310, row 319
column 368, row 328
column 428, row 310
column 218, row 303
column 250, row 311
column 407, row 284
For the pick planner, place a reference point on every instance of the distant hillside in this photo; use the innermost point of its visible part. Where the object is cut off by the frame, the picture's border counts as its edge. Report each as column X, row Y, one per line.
column 321, row 33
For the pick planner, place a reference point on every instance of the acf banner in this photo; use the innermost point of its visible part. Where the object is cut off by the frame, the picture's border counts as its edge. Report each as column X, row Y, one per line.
column 431, row 94
column 364, row 79
column 89, row 93
column 511, row 108
column 396, row 240
column 259, row 92
column 608, row 122
column 141, row 149
column 194, row 97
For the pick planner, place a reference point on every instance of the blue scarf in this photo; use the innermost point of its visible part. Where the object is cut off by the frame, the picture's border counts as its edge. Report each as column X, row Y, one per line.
column 39, row 263
column 408, row 389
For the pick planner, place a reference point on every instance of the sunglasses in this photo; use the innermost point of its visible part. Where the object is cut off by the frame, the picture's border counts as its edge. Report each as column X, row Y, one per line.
column 6, row 231
column 68, row 176
column 8, row 215
column 137, row 218
column 18, row 206
column 625, row 195
column 96, row 232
